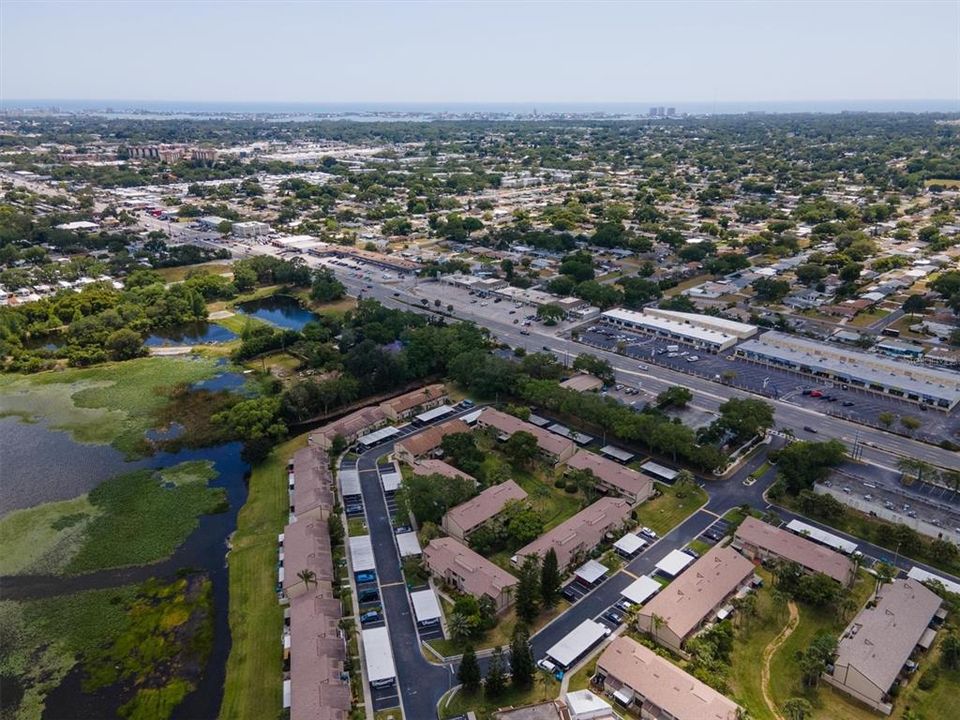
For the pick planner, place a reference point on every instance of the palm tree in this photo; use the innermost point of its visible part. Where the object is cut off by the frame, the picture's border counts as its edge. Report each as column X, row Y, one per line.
column 885, row 573
column 656, row 622
column 307, row 577
column 780, row 599
column 845, row 607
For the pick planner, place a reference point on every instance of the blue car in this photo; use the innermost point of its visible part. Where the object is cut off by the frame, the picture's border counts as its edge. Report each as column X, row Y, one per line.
column 370, row 617
column 365, row 577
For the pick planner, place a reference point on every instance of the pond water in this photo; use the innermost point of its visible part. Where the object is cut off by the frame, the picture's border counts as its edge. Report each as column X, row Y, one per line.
column 199, row 333
column 280, row 310
column 39, row 464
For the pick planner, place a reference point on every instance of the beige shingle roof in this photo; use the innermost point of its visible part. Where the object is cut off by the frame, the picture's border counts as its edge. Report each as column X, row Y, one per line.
column 796, row 549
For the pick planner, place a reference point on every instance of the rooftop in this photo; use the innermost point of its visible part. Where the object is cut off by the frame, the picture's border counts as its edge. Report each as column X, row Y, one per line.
column 880, row 639
column 547, row 441
column 662, row 683
column 685, row 602
column 797, row 549
column 429, row 439
column 630, row 482
column 479, row 575
column 487, row 504
column 583, row 530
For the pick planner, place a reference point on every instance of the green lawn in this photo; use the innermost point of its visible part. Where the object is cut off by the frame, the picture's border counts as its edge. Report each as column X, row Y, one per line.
column 868, row 317
column 176, row 274
column 753, row 635
column 252, row 688
column 543, row 688
column 112, row 403
column 666, row 511
column 356, row 527
column 500, row 635
column 785, row 680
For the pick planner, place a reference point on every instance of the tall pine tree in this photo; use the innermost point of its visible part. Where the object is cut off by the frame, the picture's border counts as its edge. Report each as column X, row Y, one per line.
column 496, row 681
column 469, row 672
column 521, row 658
column 549, row 578
column 528, row 591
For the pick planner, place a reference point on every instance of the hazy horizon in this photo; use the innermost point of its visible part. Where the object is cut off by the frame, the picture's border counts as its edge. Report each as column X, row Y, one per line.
column 698, row 53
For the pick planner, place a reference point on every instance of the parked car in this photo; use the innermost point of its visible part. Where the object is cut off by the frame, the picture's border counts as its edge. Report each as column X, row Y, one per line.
column 365, row 577
column 369, row 595
column 810, row 429
column 615, row 617
column 569, row 594
column 816, row 393
column 370, row 617
column 648, row 533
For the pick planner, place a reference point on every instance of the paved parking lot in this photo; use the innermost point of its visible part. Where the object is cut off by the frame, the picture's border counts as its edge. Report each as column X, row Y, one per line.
column 847, row 402
column 715, row 533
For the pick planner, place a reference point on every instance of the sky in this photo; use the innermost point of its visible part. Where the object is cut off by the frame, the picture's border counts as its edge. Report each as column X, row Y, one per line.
column 662, row 52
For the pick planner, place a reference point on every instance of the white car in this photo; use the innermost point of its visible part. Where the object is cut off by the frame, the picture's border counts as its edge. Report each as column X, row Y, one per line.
column 545, row 664
column 648, row 533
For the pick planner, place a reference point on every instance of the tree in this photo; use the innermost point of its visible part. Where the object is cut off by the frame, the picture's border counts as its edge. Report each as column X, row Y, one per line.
column 950, row 650
column 656, row 622
column 886, row 418
column 884, row 573
column 521, row 447
column 768, row 290
column 523, row 524
column 521, row 658
column 910, row 423
column 469, row 671
column 257, row 423
column 746, row 417
column 550, row 314
column 124, row 344
column 814, row 660
column 797, row 708
column 428, row 497
column 549, row 578
column 915, row 304
column 674, row 396
column 528, row 590
column 601, row 369
column 803, row 463
column 495, row 682
column 326, row 287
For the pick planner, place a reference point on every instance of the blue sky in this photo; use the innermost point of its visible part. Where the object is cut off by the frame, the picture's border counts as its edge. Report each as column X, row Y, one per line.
column 476, row 52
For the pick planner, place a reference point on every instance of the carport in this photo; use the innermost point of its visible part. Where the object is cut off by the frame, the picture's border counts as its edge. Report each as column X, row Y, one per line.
column 590, row 573
column 641, row 590
column 629, row 545
column 408, row 545
column 674, row 563
column 426, row 609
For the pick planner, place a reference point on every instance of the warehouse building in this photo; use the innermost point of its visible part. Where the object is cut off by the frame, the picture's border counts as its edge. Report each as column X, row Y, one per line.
column 872, row 373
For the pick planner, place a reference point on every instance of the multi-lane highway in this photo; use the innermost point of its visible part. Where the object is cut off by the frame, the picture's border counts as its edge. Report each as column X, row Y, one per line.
column 878, row 447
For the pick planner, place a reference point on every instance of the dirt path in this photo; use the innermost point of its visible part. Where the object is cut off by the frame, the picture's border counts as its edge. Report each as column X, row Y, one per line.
column 768, row 652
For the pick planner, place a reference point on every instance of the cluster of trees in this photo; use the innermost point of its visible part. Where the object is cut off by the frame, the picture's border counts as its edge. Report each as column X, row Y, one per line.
column 801, row 464
column 520, row 667
column 429, row 497
column 814, row 589
column 371, row 350
column 710, row 655
column 491, row 376
column 515, row 526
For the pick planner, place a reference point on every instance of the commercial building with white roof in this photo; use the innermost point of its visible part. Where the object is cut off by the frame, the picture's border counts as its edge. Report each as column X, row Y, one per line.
column 872, row 373
column 688, row 328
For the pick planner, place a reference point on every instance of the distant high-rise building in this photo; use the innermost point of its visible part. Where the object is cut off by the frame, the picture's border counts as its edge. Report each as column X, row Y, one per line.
column 653, row 112
column 671, row 112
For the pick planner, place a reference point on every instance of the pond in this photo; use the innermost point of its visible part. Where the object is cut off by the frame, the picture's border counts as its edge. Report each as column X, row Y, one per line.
column 40, row 465
column 199, row 333
column 280, row 310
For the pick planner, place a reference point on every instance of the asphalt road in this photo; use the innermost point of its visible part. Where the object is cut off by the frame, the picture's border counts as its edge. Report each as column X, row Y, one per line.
column 878, row 447
column 421, row 684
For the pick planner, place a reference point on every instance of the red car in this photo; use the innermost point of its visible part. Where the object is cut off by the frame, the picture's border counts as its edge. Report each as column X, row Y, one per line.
column 816, row 393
